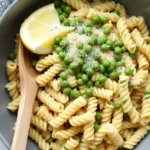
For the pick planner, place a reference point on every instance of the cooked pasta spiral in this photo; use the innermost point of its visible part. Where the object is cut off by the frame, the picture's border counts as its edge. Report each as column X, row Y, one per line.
column 80, row 13
column 56, row 84
column 72, row 81
column 14, row 105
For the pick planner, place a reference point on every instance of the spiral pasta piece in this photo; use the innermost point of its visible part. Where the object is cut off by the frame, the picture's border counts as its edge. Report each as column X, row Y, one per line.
column 44, row 114
column 55, row 145
column 68, row 133
column 72, row 81
column 96, row 76
column 126, row 134
column 83, row 145
column 43, row 79
column 12, row 89
column 137, row 95
column 76, row 4
column 49, row 101
column 107, row 113
column 56, row 84
column 103, row 93
column 81, row 119
column 41, row 124
column 37, row 137
column 122, row 10
column 125, row 35
column 111, row 16
column 14, row 105
column 80, row 13
column 139, row 40
column 111, row 147
column 71, row 109
column 36, row 107
column 60, row 97
column 135, row 138
column 46, row 135
column 102, row 146
column 132, row 22
column 128, row 125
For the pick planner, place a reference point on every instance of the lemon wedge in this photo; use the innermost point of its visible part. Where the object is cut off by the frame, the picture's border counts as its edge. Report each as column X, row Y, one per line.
column 39, row 30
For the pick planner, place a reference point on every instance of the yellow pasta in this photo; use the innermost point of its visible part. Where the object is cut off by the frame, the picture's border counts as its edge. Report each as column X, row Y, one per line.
column 56, row 84
column 14, row 105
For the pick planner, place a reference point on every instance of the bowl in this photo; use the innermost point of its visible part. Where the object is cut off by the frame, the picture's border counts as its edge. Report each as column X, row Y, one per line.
column 9, row 26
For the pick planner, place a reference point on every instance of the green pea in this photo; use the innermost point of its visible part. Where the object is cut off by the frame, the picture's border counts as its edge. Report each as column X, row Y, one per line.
column 123, row 49
column 98, row 116
column 78, row 19
column 85, row 78
column 116, row 12
column 102, row 40
column 106, row 31
column 106, row 63
column 120, row 63
column 59, row 10
column 54, row 46
column 12, row 56
column 34, row 62
column 90, row 83
column 104, row 47
column 76, row 93
column 119, row 43
column 88, row 48
column 84, row 68
column 96, row 19
column 89, row 23
column 42, row 56
column 71, row 72
column 63, row 43
column 65, row 14
column 114, row 63
column 67, row 60
column 73, row 23
column 95, row 65
column 58, row 49
column 90, row 71
column 81, row 31
column 63, row 6
column 58, row 40
column 67, row 91
column 88, row 91
column 79, row 75
column 102, row 79
column 102, row 68
column 73, row 65
column 64, row 65
column 61, row 55
column 88, row 30
column 128, row 71
column 117, row 50
column 117, row 57
column 106, row 74
column 64, row 84
column 91, row 42
column 62, row 17
column 134, row 55
column 96, row 56
column 126, row 117
column 110, row 68
column 63, row 75
column 96, row 126
column 68, row 9
column 113, row 75
column 80, row 82
column 95, row 38
column 105, row 20
column 79, row 45
column 57, row 3
column 98, row 84
column 81, row 53
column 66, row 22
column 110, row 43
column 117, row 105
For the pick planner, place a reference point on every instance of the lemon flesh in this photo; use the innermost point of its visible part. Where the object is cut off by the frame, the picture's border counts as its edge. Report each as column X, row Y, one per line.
column 39, row 30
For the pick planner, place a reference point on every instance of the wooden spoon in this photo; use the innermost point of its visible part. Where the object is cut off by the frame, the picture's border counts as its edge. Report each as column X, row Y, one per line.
column 29, row 89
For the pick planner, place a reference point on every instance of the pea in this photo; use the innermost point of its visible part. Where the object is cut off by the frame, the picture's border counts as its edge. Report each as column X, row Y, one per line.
column 61, row 55
column 117, row 105
column 79, row 45
column 54, row 46
column 117, row 57
column 128, row 71
column 123, row 49
column 58, row 49
column 126, row 117
column 73, row 65
column 106, row 74
column 42, row 56
column 102, row 40
column 57, row 3
column 90, row 83
column 79, row 75
column 63, row 6
column 113, row 75
column 110, row 43
column 90, row 71
column 64, row 65
column 95, row 65
column 88, row 30
column 91, row 42
column 67, row 60
column 96, row 19
column 81, row 31
column 96, row 126
column 102, row 79
column 117, row 50
column 63, row 43
column 84, row 68
column 68, row 9
column 81, row 53
column 114, row 63
column 65, row 14
column 104, row 47
column 76, row 93
column 88, row 48
column 120, row 63
column 105, row 20
column 80, row 82
column 66, row 22
column 64, row 84
column 89, row 23
column 85, row 78
column 88, row 91
column 119, row 43
column 34, row 62
column 73, row 23
column 98, row 116
column 63, row 75
column 59, row 11
column 106, row 63
column 12, row 56
column 58, row 40
column 97, row 84
column 78, row 19
column 95, row 38
column 116, row 12
column 96, row 57
column 71, row 72
column 106, row 31
column 102, row 68
column 62, row 17
column 67, row 91
column 134, row 55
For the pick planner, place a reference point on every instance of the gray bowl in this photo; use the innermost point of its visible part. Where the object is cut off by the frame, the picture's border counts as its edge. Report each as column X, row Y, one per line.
column 9, row 27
